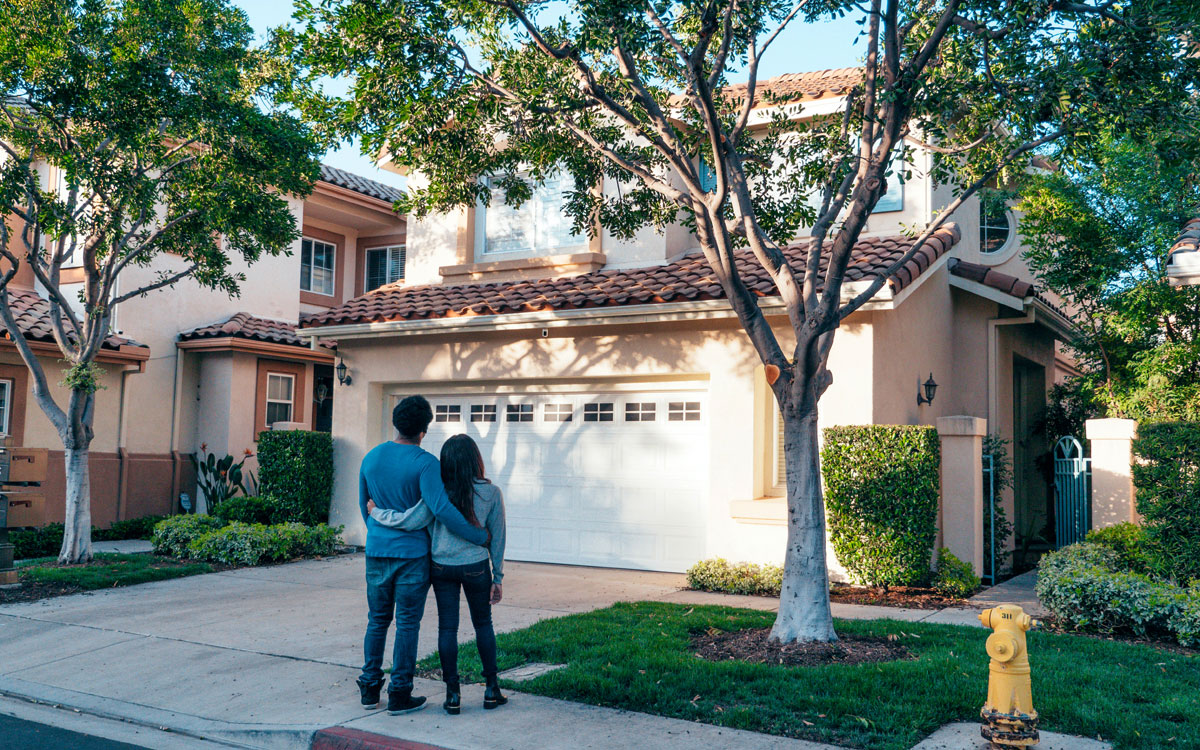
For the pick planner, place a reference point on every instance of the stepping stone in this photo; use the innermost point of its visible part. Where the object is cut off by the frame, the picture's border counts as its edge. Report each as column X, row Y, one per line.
column 527, row 672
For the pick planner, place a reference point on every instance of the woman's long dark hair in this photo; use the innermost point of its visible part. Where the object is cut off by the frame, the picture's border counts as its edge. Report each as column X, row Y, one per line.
column 462, row 467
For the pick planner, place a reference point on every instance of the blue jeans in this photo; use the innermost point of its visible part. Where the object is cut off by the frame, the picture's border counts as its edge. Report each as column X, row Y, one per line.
column 394, row 585
column 475, row 580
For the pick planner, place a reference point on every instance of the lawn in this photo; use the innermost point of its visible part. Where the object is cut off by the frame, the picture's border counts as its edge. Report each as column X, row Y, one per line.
column 46, row 577
column 637, row 657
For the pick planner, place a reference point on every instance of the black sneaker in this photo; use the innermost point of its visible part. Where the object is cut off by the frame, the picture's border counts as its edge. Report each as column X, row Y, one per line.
column 370, row 694
column 404, row 702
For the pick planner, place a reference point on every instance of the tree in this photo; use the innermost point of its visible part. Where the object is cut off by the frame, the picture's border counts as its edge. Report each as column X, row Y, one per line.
column 150, row 112
column 1099, row 231
column 474, row 93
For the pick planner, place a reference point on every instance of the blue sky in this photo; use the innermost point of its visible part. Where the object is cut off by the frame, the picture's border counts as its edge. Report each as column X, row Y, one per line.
column 801, row 47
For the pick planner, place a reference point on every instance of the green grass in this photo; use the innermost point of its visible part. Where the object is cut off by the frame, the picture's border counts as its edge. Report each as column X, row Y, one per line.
column 108, row 570
column 637, row 657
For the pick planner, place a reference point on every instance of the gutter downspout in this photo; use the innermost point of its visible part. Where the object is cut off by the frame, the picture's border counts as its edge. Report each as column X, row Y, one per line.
column 176, row 461
column 122, row 454
column 994, row 360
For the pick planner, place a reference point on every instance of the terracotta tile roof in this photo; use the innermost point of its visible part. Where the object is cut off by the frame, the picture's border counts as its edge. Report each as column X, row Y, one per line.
column 350, row 181
column 246, row 326
column 792, row 87
column 686, row 279
column 1188, row 240
column 990, row 277
column 33, row 319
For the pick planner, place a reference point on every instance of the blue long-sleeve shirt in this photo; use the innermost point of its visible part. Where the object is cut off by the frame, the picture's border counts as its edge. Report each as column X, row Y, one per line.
column 397, row 476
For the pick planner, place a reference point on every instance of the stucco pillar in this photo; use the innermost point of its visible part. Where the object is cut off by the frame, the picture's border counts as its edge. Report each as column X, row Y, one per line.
column 1112, row 471
column 962, row 487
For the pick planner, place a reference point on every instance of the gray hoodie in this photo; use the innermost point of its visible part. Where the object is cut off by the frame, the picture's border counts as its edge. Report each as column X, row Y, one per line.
column 449, row 548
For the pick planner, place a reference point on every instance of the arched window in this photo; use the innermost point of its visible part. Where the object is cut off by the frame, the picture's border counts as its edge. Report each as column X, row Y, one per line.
column 995, row 225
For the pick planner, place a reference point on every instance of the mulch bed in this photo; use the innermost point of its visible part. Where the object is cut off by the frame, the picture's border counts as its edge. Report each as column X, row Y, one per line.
column 751, row 646
column 912, row 597
column 29, row 592
column 1162, row 641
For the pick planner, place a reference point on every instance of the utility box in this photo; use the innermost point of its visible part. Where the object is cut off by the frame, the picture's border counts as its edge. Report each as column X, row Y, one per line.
column 26, row 465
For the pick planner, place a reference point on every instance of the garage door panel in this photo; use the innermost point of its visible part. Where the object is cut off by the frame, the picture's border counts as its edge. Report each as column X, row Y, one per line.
column 613, row 485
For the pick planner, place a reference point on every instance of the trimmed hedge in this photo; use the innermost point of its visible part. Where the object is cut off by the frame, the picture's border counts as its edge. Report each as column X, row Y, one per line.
column 954, row 577
column 47, row 540
column 718, row 574
column 133, row 528
column 254, row 544
column 172, row 536
column 881, row 493
column 1129, row 542
column 1167, row 478
column 295, row 467
column 264, row 510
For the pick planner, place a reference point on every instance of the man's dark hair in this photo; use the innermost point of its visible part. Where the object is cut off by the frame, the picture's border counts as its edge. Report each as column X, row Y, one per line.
column 412, row 416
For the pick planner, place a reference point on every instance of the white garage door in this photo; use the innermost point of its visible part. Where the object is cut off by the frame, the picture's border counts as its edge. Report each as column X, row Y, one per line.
column 614, row 479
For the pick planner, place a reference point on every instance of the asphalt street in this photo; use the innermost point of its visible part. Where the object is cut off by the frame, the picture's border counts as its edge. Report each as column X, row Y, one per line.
column 20, row 734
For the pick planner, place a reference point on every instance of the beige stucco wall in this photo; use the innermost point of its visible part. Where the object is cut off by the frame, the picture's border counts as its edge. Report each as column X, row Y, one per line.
column 40, row 433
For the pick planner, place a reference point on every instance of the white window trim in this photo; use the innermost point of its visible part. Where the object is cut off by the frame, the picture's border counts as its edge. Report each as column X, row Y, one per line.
column 268, row 400
column 332, row 270
column 1010, row 246
column 6, row 420
column 367, row 265
column 481, row 243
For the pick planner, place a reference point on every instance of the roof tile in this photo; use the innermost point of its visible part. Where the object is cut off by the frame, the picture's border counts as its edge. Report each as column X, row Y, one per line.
column 246, row 326
column 32, row 314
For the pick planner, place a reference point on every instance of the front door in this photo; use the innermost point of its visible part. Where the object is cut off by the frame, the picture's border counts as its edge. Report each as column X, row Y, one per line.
column 323, row 398
column 1034, row 516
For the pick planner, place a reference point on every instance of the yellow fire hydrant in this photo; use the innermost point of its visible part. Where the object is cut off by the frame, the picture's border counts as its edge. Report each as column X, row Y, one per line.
column 1009, row 719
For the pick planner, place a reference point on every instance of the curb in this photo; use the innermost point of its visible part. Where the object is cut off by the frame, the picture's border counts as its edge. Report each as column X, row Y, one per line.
column 344, row 738
column 260, row 736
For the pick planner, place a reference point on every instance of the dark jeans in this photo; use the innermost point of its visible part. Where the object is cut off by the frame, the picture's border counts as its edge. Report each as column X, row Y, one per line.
column 394, row 585
column 475, row 580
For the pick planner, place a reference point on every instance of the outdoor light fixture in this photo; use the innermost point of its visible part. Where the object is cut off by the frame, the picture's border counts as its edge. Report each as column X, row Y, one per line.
column 343, row 372
column 930, row 388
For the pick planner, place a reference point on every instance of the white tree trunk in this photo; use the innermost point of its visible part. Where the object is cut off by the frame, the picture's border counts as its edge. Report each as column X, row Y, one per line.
column 77, row 535
column 804, row 613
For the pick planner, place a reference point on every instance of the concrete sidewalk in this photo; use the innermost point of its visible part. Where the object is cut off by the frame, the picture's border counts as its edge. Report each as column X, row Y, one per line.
column 263, row 657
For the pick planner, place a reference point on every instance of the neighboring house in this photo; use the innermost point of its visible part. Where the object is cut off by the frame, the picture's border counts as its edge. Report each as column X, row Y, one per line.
column 615, row 397
column 190, row 367
column 1183, row 262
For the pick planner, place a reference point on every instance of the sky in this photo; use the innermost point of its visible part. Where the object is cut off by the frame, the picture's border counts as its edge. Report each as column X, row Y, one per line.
column 801, row 47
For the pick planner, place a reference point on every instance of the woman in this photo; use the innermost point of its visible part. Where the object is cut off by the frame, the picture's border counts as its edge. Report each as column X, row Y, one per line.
column 458, row 564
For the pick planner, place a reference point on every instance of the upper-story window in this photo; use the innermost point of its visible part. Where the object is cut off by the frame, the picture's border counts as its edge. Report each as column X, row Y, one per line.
column 316, row 266
column 6, row 388
column 385, row 265
column 995, row 226
column 538, row 227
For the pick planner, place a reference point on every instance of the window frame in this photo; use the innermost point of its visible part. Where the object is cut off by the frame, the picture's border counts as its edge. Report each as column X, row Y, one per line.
column 533, row 249
column 9, row 387
column 403, row 247
column 267, row 400
column 1004, row 251
column 332, row 269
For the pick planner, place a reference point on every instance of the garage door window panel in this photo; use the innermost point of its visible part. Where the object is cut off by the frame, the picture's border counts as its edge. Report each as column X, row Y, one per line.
column 447, row 413
column 519, row 413
column 641, row 411
column 600, row 412
column 683, row 411
column 483, row 412
column 558, row 412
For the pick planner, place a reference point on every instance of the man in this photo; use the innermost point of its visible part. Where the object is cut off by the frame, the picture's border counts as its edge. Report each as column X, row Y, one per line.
column 397, row 475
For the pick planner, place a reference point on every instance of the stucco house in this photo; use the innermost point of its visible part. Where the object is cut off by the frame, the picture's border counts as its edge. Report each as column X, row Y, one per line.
column 615, row 397
column 1183, row 262
column 188, row 367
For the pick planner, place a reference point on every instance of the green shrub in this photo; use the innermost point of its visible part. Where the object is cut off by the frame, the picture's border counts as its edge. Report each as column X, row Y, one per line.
column 1185, row 620
column 1130, row 543
column 1167, row 477
column 1085, row 588
column 133, row 528
column 882, row 486
column 1002, row 479
column 44, row 542
column 954, row 577
column 172, row 536
column 295, row 468
column 254, row 544
column 718, row 574
column 263, row 510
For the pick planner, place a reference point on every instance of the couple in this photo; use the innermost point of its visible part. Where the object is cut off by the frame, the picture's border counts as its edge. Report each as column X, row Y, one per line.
column 416, row 510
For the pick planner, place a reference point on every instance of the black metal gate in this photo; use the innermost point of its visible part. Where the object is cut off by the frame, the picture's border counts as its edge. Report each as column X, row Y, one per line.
column 1072, row 492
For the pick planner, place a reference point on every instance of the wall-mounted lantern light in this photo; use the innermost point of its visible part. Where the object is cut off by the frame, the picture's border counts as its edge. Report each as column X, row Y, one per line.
column 343, row 372
column 930, row 390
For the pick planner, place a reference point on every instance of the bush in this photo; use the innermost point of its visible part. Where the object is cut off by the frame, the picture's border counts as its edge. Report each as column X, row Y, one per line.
column 44, row 542
column 954, row 577
column 882, row 487
column 262, row 510
column 172, row 536
column 1185, row 620
column 717, row 574
column 1167, row 478
column 1084, row 586
column 133, row 528
column 253, row 544
column 1130, row 543
column 295, row 468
